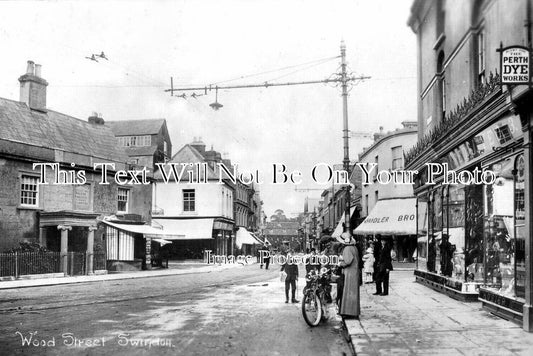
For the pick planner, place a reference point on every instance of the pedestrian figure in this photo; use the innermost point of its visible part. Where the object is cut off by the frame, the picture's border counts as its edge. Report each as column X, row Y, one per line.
column 266, row 248
column 263, row 253
column 432, row 254
column 369, row 259
column 291, row 269
column 446, row 252
column 384, row 268
column 377, row 253
column 350, row 304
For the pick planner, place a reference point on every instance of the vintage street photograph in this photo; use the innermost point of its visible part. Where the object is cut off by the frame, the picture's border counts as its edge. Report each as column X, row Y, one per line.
column 266, row 177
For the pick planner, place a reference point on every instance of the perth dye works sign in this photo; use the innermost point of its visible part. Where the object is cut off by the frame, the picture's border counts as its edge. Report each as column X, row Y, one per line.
column 515, row 65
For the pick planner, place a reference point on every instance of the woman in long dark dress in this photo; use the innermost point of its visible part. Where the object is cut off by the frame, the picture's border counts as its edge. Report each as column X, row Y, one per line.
column 350, row 304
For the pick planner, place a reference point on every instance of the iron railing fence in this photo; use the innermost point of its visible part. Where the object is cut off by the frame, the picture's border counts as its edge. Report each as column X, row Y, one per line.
column 16, row 264
column 23, row 263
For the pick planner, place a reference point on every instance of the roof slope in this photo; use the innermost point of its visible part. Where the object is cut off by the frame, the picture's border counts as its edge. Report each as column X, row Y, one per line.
column 55, row 130
column 141, row 151
column 136, row 127
column 187, row 154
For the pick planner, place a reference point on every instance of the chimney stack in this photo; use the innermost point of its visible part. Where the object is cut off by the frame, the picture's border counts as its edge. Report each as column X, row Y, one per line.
column 33, row 87
column 199, row 145
column 96, row 119
column 380, row 135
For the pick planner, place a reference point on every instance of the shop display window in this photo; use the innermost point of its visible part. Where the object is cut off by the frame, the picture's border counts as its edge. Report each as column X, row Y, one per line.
column 500, row 241
column 455, row 223
column 474, row 220
column 435, row 235
column 422, row 232
column 520, row 232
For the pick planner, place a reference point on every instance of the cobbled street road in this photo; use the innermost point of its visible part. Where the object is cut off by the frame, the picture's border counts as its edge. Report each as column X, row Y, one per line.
column 238, row 311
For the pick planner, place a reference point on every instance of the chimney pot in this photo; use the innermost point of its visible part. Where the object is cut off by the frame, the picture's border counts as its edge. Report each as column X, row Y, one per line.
column 30, row 69
column 38, row 70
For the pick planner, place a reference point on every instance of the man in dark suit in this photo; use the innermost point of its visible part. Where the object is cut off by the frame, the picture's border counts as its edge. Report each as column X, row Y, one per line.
column 384, row 267
column 377, row 254
column 291, row 268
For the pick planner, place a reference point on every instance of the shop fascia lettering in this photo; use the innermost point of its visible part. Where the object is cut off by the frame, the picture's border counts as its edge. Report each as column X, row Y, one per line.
column 384, row 219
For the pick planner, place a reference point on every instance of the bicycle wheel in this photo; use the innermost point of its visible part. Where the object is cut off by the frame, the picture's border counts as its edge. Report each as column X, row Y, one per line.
column 312, row 309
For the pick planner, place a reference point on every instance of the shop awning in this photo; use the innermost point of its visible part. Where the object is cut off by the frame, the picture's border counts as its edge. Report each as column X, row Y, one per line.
column 259, row 242
column 390, row 217
column 244, row 238
column 186, row 229
column 338, row 230
column 136, row 229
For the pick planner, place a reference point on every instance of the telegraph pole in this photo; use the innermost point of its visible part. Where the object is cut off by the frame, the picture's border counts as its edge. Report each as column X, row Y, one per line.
column 343, row 78
column 346, row 161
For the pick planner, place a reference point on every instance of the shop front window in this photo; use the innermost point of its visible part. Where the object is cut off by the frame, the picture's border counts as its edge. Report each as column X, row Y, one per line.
column 520, row 231
column 422, row 232
column 455, row 212
column 435, row 236
column 499, row 229
column 445, row 248
column 474, row 233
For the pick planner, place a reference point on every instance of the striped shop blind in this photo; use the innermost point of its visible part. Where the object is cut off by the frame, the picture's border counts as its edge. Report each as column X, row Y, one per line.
column 119, row 245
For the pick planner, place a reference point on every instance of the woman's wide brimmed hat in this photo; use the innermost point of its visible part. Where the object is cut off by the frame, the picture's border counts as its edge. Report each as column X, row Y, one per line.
column 345, row 238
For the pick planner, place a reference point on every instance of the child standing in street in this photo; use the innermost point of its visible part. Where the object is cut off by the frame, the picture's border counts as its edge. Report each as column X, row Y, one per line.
column 368, row 258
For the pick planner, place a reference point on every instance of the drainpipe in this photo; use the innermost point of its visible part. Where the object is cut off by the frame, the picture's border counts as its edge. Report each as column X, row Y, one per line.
column 527, row 312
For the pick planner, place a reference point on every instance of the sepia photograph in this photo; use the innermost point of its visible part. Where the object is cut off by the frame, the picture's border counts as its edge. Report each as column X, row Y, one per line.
column 297, row 177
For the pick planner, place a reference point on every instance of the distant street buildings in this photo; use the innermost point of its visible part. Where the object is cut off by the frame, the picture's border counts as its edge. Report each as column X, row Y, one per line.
column 146, row 142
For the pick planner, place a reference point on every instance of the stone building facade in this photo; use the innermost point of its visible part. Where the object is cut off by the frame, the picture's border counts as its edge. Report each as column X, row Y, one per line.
column 474, row 240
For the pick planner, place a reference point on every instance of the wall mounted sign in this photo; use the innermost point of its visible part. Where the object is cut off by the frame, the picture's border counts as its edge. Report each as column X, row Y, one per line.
column 515, row 65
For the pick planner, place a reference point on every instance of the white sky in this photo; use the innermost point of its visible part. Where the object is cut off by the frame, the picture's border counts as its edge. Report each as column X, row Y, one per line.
column 203, row 42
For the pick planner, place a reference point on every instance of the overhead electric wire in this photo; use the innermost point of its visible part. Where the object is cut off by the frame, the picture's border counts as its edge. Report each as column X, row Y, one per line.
column 323, row 60
column 301, row 69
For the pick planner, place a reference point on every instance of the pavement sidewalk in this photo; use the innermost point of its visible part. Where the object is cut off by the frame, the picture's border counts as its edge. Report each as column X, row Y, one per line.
column 173, row 269
column 415, row 320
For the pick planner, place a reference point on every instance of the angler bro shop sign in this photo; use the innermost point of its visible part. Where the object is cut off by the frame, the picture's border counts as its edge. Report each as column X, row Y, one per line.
column 515, row 65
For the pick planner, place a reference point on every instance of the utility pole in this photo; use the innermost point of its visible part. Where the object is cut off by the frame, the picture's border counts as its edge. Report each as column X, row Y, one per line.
column 346, row 161
column 343, row 78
